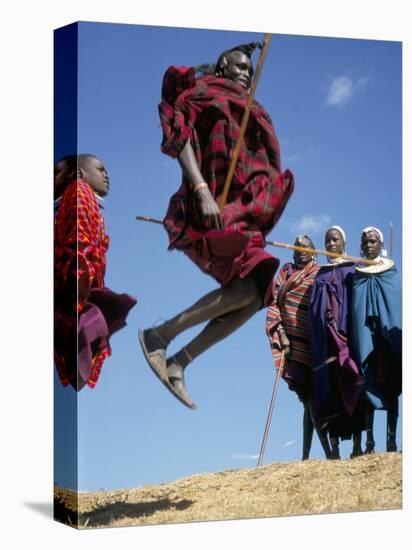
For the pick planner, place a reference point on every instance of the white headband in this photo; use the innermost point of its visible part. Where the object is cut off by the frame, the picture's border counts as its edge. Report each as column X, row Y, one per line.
column 341, row 231
column 380, row 236
column 343, row 235
column 375, row 229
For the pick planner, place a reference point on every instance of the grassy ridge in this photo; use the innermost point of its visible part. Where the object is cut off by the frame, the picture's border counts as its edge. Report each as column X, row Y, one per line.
column 372, row 482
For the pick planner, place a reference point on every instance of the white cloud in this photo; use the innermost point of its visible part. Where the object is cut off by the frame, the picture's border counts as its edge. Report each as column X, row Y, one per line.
column 311, row 224
column 289, row 443
column 245, row 457
column 342, row 89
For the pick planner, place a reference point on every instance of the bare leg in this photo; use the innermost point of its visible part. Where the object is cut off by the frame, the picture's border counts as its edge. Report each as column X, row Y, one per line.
column 357, row 445
column 227, row 308
column 239, row 294
column 391, row 424
column 334, row 442
column 307, row 432
column 218, row 329
column 322, row 434
column 370, row 441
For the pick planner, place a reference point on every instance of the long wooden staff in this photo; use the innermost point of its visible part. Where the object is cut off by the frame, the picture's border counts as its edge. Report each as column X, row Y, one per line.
column 245, row 119
column 322, row 252
column 270, row 413
column 289, row 246
column 390, row 240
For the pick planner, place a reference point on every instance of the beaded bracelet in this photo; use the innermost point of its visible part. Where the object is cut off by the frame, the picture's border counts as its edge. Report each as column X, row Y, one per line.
column 200, row 185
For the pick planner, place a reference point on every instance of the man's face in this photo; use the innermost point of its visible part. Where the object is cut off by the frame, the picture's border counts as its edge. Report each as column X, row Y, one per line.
column 370, row 245
column 301, row 257
column 94, row 172
column 239, row 68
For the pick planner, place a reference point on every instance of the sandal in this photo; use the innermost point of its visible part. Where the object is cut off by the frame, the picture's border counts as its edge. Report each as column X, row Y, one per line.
column 156, row 358
column 177, row 383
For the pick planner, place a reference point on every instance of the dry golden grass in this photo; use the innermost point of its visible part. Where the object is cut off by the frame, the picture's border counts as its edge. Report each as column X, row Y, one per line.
column 372, row 482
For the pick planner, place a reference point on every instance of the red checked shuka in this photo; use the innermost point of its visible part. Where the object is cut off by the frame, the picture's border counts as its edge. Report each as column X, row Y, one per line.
column 208, row 111
column 81, row 242
column 80, row 245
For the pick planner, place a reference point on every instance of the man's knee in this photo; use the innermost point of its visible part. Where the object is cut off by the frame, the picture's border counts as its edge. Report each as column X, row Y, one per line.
column 245, row 291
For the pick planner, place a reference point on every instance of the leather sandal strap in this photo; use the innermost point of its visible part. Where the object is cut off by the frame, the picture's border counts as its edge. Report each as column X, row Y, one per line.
column 159, row 336
column 175, row 371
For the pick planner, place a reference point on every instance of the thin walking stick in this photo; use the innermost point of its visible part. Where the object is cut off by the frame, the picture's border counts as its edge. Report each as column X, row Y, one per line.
column 322, row 252
column 390, row 240
column 272, row 403
column 290, row 246
column 245, row 119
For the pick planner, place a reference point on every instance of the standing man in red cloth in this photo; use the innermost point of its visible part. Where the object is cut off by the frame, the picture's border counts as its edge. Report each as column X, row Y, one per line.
column 201, row 117
column 86, row 312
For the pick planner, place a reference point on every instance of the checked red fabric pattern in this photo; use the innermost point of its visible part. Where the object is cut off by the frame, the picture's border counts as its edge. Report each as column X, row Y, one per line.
column 80, row 246
column 208, row 111
column 80, row 240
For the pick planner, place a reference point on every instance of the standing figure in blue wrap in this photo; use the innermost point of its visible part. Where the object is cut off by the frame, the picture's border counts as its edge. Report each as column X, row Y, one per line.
column 377, row 334
column 337, row 382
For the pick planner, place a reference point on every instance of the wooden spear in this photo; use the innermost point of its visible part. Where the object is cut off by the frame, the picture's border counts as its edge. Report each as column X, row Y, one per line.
column 270, row 413
column 355, row 259
column 245, row 119
column 390, row 240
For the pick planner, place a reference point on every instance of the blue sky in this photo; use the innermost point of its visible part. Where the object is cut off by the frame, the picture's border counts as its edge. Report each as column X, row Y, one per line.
column 336, row 108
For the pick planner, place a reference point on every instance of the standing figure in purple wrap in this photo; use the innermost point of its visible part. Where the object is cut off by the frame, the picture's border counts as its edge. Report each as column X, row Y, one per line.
column 376, row 334
column 201, row 118
column 86, row 312
column 337, row 382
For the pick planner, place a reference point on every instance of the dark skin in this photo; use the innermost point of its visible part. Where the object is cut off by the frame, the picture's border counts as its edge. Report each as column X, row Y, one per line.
column 64, row 173
column 370, row 245
column 93, row 170
column 87, row 167
column 226, row 308
column 236, row 66
column 334, row 242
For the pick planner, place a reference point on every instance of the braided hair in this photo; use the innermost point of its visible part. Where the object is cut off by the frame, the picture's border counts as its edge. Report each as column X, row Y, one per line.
column 217, row 68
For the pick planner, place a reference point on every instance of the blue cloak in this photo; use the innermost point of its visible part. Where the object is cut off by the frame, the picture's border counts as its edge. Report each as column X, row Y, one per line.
column 376, row 333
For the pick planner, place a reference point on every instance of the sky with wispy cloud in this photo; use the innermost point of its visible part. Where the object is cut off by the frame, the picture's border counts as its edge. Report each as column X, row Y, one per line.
column 311, row 225
column 343, row 89
column 244, row 456
column 340, row 134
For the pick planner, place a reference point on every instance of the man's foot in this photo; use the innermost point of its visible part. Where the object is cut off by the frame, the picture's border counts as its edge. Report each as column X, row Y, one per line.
column 324, row 441
column 391, row 446
column 357, row 451
column 177, row 381
column 334, row 453
column 154, row 350
column 357, row 445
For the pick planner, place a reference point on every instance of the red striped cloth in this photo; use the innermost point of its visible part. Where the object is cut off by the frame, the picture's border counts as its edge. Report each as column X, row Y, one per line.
column 290, row 311
column 80, row 245
column 208, row 111
column 80, row 241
